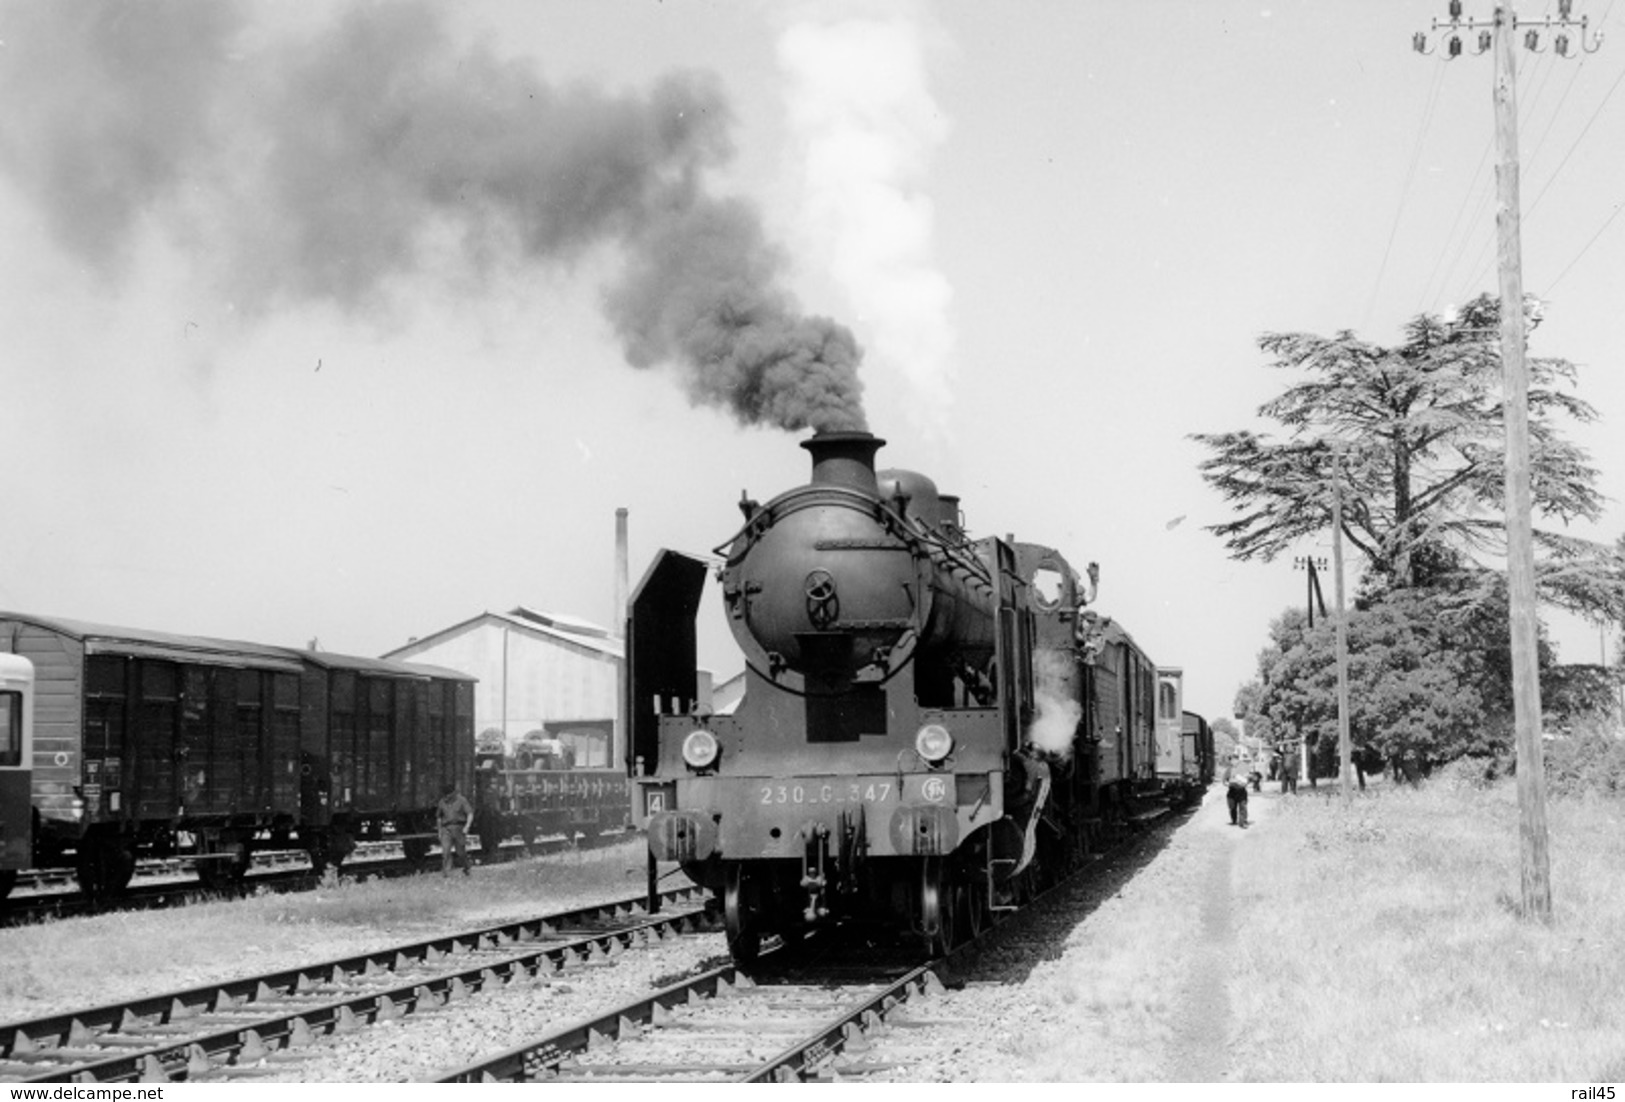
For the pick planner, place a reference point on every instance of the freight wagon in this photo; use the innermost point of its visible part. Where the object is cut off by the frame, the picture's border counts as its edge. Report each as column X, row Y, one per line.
column 153, row 744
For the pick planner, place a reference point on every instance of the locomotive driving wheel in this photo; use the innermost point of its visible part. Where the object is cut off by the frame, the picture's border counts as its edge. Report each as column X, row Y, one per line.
column 974, row 898
column 936, row 906
column 741, row 910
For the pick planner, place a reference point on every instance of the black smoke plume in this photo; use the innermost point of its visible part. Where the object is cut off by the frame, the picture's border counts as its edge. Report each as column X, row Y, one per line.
column 324, row 166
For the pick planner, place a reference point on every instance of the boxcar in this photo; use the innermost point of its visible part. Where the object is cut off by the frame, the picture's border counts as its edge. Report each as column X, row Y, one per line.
column 16, row 768
column 148, row 743
column 379, row 739
column 1120, row 692
column 1197, row 739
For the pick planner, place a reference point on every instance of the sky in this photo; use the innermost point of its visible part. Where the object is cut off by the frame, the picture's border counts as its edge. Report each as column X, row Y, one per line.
column 349, row 322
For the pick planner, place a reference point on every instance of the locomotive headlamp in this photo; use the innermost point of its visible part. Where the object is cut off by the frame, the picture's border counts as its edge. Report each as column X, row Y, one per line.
column 700, row 748
column 933, row 743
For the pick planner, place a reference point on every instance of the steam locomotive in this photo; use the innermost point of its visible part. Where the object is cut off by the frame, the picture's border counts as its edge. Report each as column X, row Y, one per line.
column 933, row 726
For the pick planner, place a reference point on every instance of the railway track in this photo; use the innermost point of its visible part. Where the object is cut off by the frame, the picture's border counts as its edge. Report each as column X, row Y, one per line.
column 235, row 1029
column 819, row 1012
column 162, row 888
column 719, row 1026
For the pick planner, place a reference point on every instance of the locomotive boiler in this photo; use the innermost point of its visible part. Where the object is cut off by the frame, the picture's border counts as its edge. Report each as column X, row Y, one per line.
column 930, row 723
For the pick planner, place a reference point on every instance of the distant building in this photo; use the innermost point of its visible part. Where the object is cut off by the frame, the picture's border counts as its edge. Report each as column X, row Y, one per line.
column 540, row 674
column 545, row 677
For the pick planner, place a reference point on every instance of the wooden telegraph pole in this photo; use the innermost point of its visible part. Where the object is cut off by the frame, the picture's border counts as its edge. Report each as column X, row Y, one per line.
column 1497, row 34
column 1345, row 771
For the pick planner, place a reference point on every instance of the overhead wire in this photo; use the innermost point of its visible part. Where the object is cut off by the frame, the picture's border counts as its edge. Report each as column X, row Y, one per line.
column 1556, row 172
column 1479, row 193
column 1428, row 109
column 1597, row 234
column 1430, row 298
column 1573, row 146
column 1586, row 247
column 1480, row 268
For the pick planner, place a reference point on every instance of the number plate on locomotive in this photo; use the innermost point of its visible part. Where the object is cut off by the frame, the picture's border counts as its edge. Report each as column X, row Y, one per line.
column 828, row 792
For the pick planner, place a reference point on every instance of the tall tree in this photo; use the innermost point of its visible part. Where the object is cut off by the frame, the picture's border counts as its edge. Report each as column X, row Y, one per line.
column 1413, row 435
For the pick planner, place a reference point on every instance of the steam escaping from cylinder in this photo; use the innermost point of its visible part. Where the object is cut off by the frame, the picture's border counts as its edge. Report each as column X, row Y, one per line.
column 1058, row 711
column 329, row 160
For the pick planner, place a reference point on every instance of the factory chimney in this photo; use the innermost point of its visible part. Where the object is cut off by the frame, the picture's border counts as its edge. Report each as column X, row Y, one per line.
column 618, row 622
column 618, row 630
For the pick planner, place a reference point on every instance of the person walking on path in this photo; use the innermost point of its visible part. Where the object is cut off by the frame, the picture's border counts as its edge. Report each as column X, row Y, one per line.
column 455, row 816
column 1235, row 794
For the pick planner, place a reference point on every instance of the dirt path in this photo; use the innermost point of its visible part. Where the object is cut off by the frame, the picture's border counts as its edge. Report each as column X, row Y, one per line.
column 1204, row 1025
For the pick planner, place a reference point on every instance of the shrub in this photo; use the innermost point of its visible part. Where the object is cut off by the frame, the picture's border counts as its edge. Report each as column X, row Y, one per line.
column 1586, row 761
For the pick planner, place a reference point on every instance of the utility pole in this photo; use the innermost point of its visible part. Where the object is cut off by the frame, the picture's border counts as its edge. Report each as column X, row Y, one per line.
column 1497, row 33
column 1345, row 769
column 1312, row 565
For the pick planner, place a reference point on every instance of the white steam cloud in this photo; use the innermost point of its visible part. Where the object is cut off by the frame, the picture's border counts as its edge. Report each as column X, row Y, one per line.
column 1055, row 676
column 861, row 109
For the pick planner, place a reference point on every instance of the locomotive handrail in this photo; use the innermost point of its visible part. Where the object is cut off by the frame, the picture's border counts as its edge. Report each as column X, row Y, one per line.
column 791, row 502
column 798, row 499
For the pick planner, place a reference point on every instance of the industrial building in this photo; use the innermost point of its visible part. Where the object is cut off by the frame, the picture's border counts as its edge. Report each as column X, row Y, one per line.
column 541, row 675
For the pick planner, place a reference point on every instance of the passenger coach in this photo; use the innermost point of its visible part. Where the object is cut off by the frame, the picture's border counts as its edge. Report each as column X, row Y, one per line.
column 16, row 766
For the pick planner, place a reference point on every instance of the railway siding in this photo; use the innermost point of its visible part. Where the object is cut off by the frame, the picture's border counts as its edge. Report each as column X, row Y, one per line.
column 188, row 1033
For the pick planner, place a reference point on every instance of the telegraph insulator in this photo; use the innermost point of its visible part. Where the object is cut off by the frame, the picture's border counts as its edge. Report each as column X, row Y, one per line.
column 1455, row 9
column 1531, row 40
column 1455, row 45
column 1419, row 42
column 1483, row 41
column 1562, row 44
column 1563, row 7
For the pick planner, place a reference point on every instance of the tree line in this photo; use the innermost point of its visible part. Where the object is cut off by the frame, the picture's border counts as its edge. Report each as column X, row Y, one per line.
column 1411, row 437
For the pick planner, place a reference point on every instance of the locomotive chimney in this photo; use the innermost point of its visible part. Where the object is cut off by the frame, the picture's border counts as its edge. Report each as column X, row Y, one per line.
column 844, row 459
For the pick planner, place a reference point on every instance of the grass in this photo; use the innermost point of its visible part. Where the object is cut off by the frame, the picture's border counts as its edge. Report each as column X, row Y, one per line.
column 1383, row 942
column 86, row 961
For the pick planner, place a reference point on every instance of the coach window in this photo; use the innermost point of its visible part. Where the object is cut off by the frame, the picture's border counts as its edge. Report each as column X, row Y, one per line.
column 1168, row 701
column 11, row 729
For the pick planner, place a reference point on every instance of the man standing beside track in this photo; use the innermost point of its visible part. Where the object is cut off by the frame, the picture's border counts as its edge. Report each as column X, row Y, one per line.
column 1235, row 792
column 456, row 817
